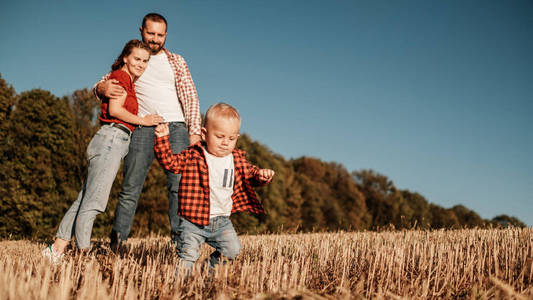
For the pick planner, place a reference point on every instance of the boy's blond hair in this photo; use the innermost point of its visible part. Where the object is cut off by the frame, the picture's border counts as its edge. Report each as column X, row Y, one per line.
column 221, row 110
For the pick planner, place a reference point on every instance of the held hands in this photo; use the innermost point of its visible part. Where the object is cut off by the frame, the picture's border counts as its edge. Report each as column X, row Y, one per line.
column 151, row 120
column 161, row 130
column 194, row 139
column 266, row 175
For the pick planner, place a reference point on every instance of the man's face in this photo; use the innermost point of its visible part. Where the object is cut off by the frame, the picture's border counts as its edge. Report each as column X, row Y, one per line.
column 154, row 34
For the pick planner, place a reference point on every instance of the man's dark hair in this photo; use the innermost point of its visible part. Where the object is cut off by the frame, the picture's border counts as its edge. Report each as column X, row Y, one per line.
column 154, row 17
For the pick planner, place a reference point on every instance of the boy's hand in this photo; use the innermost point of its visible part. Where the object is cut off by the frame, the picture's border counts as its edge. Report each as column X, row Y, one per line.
column 161, row 130
column 266, row 175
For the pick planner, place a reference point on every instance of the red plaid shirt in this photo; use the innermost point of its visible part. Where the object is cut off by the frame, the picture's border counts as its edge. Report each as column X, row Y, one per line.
column 185, row 89
column 193, row 193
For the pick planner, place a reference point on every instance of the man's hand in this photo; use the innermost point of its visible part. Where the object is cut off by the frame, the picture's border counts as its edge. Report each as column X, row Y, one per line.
column 161, row 130
column 110, row 89
column 266, row 175
column 194, row 138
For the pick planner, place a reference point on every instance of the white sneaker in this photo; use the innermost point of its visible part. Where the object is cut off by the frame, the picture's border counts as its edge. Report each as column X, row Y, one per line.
column 53, row 256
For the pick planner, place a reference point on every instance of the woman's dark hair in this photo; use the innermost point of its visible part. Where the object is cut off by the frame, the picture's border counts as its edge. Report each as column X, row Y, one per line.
column 119, row 62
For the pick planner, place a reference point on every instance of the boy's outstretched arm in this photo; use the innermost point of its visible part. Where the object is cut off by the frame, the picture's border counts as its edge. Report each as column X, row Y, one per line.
column 260, row 177
column 265, row 175
column 171, row 162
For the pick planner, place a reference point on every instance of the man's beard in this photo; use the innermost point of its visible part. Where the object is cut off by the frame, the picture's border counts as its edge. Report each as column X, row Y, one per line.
column 157, row 49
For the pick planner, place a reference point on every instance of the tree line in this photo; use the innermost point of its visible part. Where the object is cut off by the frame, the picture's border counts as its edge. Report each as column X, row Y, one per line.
column 43, row 140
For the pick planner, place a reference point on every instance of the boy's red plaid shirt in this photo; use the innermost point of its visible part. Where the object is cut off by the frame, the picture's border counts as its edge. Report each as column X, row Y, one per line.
column 193, row 194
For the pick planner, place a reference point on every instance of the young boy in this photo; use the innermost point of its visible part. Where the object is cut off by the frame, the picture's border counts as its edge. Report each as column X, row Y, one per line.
column 216, row 180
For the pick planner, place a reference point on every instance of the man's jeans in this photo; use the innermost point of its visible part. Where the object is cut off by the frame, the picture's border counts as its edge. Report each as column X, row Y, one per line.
column 104, row 153
column 219, row 234
column 136, row 165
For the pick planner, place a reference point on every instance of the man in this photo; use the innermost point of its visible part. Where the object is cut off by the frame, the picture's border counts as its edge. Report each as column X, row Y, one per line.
column 166, row 88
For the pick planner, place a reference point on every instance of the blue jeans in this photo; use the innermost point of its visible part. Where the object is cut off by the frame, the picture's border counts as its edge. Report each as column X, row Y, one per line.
column 104, row 153
column 219, row 234
column 136, row 165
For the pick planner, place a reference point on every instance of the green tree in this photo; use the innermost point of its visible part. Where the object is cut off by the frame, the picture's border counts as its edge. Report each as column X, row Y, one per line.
column 85, row 111
column 41, row 173
column 384, row 202
column 507, row 221
column 351, row 200
column 420, row 207
column 467, row 217
column 332, row 199
column 9, row 189
column 443, row 218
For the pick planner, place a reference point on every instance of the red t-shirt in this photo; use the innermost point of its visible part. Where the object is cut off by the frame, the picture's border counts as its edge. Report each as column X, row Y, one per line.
column 130, row 104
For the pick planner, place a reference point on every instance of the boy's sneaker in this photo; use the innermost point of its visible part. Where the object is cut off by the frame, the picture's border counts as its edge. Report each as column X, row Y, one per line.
column 53, row 256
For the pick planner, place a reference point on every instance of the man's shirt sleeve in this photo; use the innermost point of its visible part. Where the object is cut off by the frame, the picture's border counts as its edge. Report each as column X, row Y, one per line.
column 187, row 91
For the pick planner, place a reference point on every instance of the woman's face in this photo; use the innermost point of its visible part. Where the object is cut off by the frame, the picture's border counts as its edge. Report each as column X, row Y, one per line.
column 136, row 62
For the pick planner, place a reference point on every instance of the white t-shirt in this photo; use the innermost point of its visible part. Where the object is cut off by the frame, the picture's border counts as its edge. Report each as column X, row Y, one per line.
column 156, row 90
column 221, row 179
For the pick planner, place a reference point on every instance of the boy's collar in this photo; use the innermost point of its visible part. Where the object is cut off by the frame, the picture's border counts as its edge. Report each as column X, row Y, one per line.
column 202, row 144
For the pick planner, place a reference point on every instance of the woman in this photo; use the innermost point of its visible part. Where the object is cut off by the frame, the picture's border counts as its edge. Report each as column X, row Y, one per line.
column 105, row 151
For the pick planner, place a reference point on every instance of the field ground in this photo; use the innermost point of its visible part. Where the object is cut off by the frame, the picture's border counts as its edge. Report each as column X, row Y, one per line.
column 458, row 264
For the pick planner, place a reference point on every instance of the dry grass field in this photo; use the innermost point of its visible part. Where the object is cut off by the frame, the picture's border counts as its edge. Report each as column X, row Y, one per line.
column 458, row 264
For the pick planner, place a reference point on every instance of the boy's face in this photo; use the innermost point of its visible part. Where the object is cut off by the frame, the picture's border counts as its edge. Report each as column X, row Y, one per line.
column 221, row 135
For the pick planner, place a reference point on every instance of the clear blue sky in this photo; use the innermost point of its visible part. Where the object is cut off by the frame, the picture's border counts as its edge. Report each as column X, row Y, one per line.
column 436, row 95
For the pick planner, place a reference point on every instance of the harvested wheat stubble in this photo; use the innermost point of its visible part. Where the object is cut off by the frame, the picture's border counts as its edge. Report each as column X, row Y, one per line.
column 443, row 264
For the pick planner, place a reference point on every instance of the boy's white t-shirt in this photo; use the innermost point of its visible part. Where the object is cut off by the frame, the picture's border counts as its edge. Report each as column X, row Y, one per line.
column 156, row 90
column 221, row 179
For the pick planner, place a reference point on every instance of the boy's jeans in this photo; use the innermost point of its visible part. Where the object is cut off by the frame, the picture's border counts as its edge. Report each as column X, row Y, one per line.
column 219, row 234
column 104, row 153
column 136, row 165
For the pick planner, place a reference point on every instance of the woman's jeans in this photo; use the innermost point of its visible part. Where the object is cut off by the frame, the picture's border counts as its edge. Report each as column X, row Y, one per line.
column 219, row 234
column 136, row 165
column 104, row 153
